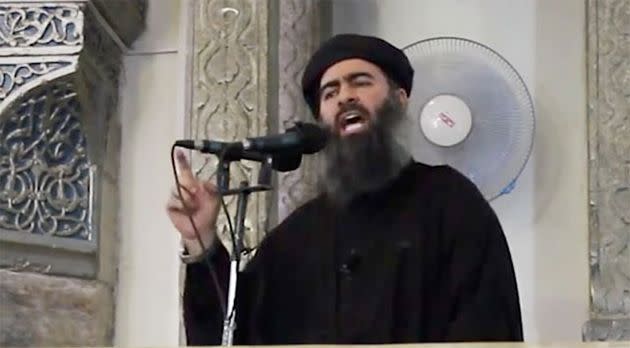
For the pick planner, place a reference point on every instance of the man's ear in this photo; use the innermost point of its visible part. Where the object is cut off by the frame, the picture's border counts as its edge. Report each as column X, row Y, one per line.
column 402, row 97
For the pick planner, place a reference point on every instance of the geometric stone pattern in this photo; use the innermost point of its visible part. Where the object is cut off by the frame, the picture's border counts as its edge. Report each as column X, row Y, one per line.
column 59, row 67
column 44, row 169
column 59, row 151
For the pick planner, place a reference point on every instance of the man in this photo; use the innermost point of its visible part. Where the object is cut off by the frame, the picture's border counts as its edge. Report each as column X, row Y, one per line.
column 391, row 250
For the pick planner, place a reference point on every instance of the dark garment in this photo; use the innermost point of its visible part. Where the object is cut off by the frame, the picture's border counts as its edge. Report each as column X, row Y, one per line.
column 425, row 260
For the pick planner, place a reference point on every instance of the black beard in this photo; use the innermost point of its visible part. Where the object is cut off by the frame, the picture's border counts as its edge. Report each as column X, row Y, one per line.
column 365, row 162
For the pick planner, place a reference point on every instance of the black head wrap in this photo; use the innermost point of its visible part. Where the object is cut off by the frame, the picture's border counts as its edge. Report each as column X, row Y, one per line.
column 390, row 59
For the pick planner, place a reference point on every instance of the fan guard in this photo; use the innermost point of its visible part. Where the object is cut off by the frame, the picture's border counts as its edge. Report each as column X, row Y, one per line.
column 471, row 110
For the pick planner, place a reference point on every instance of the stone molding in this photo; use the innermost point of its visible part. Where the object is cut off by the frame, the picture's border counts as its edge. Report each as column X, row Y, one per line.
column 608, row 49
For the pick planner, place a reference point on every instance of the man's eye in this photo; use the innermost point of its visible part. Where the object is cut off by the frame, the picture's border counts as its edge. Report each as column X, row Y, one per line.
column 363, row 82
column 328, row 94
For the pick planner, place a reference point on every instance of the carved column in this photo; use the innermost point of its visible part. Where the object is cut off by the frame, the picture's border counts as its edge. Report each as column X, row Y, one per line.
column 302, row 28
column 59, row 151
column 608, row 25
column 229, row 91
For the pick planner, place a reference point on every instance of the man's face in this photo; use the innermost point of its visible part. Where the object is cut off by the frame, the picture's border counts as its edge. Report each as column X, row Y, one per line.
column 351, row 92
column 363, row 111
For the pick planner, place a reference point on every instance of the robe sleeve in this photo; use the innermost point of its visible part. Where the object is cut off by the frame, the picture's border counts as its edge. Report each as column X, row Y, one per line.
column 478, row 285
column 203, row 316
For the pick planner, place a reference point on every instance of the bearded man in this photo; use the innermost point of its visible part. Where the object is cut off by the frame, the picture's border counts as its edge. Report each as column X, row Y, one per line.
column 391, row 251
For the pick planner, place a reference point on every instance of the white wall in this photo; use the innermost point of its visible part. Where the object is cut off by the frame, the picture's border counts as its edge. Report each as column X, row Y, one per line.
column 545, row 217
column 147, row 309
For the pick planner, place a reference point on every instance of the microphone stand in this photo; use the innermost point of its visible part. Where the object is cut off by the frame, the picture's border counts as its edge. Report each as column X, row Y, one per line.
column 242, row 192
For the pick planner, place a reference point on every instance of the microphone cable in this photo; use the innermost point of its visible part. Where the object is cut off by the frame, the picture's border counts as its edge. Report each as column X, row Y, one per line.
column 204, row 248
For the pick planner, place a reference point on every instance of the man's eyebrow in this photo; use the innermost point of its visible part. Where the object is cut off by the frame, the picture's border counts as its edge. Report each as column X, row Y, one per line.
column 349, row 77
column 356, row 75
column 332, row 83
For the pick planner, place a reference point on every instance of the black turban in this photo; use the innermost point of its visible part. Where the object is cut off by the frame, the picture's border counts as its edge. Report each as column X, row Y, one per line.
column 390, row 59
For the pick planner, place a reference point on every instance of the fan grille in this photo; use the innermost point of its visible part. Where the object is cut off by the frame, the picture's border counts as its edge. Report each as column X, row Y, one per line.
column 499, row 143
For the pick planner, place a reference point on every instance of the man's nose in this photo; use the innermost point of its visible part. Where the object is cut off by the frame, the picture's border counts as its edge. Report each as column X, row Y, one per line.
column 347, row 94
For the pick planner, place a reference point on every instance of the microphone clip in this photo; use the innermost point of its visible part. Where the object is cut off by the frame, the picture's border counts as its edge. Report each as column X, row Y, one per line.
column 223, row 175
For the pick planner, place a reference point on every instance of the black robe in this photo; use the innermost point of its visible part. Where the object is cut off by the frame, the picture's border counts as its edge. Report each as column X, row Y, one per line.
column 425, row 260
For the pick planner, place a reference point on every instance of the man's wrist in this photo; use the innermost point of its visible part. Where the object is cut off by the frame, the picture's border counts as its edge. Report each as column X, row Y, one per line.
column 193, row 251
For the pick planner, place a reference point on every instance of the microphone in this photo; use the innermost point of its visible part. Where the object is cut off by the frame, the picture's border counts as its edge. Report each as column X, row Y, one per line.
column 281, row 161
column 307, row 138
column 303, row 138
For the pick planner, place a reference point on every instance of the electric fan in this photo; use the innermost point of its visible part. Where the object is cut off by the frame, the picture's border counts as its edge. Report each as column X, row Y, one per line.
column 471, row 110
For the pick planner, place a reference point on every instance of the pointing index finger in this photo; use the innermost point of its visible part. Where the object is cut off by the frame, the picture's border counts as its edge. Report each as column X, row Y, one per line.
column 185, row 172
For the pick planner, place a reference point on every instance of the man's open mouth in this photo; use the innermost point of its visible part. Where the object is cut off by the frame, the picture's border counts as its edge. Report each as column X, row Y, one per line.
column 352, row 122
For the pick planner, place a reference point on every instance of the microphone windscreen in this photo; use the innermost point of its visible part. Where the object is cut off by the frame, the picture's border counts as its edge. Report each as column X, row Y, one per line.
column 286, row 161
column 314, row 137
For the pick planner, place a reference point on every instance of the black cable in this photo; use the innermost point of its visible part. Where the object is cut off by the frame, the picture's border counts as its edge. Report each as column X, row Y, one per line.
column 213, row 274
column 236, row 253
column 224, row 205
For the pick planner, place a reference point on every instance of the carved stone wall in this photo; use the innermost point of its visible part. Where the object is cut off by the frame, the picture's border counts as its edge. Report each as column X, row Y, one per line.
column 229, row 91
column 302, row 28
column 59, row 150
column 608, row 25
